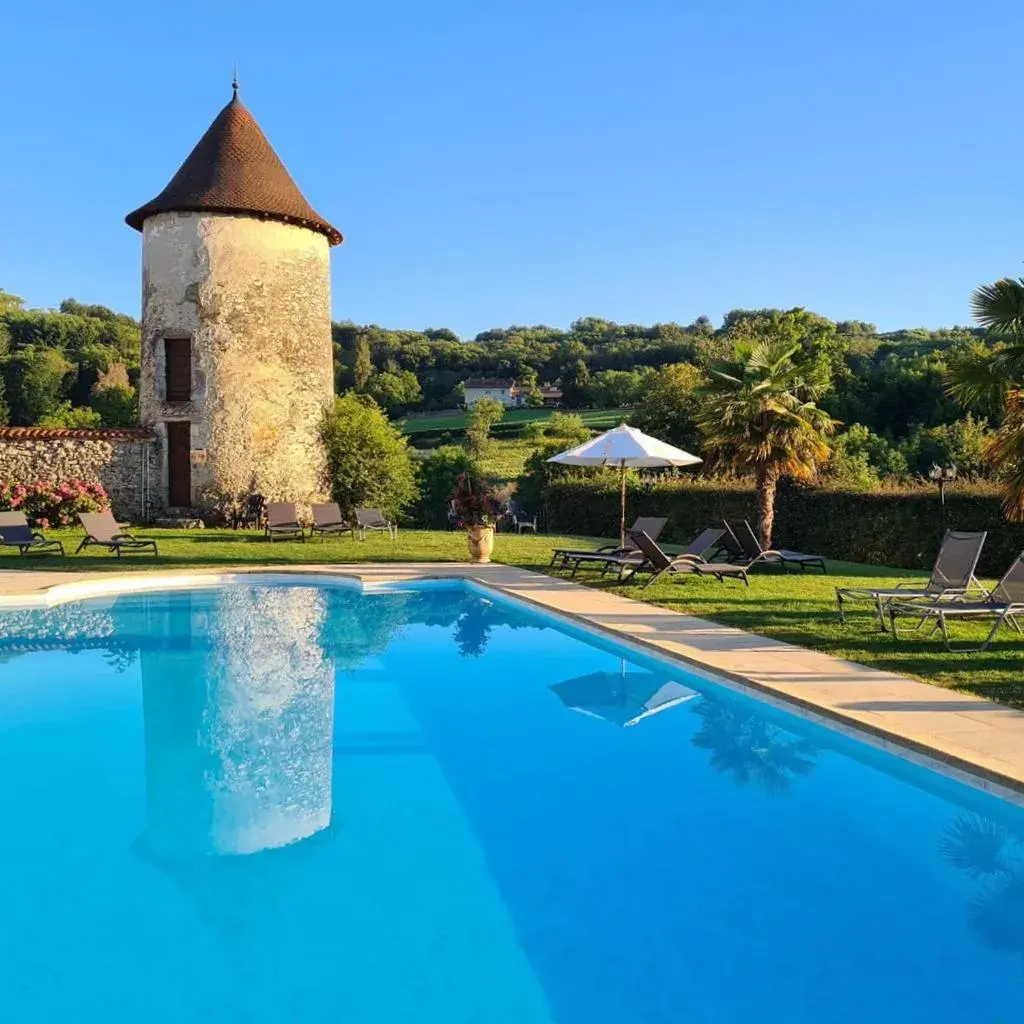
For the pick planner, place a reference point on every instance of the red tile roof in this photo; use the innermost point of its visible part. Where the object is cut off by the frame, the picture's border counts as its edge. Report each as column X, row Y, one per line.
column 76, row 433
column 234, row 169
column 489, row 382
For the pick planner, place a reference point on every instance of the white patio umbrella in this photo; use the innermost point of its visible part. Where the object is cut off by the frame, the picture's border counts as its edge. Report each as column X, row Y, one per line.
column 626, row 448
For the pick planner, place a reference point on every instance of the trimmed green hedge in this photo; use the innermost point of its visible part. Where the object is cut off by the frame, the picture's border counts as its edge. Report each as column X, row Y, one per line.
column 898, row 528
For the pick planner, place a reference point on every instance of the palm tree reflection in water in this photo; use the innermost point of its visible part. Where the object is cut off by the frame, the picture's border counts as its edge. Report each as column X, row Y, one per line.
column 988, row 851
column 751, row 750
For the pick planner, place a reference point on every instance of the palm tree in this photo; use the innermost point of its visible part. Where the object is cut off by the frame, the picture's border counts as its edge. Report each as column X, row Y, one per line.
column 758, row 415
column 994, row 378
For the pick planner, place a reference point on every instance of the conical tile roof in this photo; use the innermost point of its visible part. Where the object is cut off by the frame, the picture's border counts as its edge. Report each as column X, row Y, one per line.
column 234, row 169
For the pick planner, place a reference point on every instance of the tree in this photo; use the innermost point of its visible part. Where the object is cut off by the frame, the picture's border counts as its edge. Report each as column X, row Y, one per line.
column 613, row 389
column 530, row 387
column 10, row 303
column 114, row 399
column 758, row 415
column 479, row 420
column 576, row 385
column 862, row 459
column 368, row 461
column 816, row 335
column 964, row 444
column 68, row 415
column 362, row 368
column 669, row 404
column 994, row 378
column 34, row 380
column 436, row 477
column 116, row 405
column 395, row 392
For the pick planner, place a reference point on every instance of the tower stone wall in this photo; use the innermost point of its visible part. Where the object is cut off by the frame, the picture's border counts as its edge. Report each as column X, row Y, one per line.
column 252, row 297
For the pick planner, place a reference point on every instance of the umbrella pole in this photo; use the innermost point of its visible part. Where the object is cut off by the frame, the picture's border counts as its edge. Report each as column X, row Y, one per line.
column 622, row 511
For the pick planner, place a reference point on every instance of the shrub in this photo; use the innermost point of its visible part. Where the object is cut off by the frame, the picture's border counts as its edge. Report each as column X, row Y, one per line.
column 49, row 505
column 900, row 527
column 75, row 416
column 369, row 462
column 437, row 475
column 562, row 426
column 567, row 427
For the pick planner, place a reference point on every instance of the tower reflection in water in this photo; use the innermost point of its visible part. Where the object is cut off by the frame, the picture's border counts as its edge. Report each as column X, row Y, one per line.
column 238, row 701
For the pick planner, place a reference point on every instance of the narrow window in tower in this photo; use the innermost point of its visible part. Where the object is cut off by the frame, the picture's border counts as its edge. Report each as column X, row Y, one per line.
column 178, row 352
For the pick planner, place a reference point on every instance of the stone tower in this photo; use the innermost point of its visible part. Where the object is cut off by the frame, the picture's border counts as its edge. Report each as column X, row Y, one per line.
column 236, row 366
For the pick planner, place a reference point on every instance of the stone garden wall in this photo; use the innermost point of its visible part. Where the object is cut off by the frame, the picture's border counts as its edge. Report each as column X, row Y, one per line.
column 123, row 461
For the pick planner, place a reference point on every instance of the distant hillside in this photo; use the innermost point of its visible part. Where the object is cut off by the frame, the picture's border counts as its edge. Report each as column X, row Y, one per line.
column 78, row 365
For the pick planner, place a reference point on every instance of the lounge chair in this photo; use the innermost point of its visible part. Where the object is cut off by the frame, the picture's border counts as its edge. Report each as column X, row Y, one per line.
column 638, row 559
column 744, row 542
column 658, row 563
column 327, row 518
column 283, row 521
column 519, row 519
column 651, row 525
column 1004, row 604
column 952, row 576
column 102, row 530
column 373, row 519
column 16, row 533
column 251, row 514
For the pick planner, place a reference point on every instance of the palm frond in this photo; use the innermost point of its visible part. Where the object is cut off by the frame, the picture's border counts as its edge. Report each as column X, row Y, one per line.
column 978, row 380
column 1000, row 306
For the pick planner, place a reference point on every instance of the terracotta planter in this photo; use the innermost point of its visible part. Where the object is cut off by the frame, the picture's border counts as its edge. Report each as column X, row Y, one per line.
column 480, row 540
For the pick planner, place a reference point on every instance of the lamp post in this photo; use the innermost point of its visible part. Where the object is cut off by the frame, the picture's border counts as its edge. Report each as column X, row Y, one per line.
column 942, row 475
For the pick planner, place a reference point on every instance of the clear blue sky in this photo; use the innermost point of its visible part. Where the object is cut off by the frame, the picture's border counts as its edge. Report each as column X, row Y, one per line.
column 537, row 161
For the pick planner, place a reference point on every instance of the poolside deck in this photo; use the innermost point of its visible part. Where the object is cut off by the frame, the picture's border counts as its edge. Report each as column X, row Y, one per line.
column 977, row 740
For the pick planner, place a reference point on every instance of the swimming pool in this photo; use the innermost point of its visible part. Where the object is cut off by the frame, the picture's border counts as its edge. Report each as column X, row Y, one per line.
column 294, row 801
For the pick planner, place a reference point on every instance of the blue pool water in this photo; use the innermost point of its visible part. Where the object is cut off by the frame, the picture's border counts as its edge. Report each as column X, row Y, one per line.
column 275, row 802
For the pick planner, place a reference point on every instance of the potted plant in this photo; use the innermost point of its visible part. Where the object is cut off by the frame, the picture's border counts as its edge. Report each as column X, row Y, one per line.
column 477, row 510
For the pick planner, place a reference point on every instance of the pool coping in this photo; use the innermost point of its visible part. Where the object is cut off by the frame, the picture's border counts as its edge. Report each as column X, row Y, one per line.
column 975, row 740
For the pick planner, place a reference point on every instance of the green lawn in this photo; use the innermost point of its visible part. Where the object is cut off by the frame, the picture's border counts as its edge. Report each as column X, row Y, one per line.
column 455, row 419
column 198, row 548
column 799, row 608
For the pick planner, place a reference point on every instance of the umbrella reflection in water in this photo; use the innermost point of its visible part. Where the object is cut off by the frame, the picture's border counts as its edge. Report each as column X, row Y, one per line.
column 623, row 698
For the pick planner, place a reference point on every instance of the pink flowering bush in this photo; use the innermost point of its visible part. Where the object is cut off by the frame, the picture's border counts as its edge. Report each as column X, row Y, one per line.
column 49, row 505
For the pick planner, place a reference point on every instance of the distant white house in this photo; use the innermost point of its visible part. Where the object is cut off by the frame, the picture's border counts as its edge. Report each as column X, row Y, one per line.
column 501, row 389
